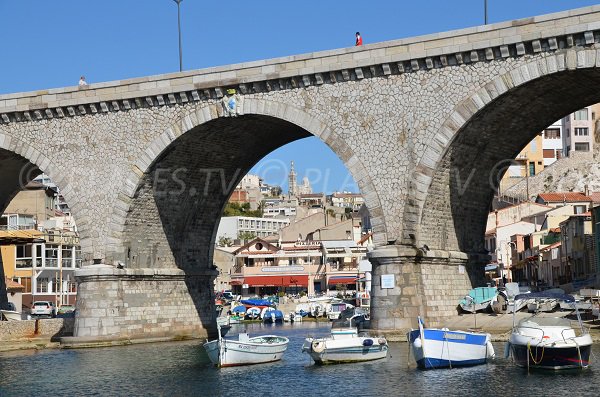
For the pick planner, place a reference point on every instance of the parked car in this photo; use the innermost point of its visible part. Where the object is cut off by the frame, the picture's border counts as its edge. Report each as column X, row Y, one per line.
column 43, row 308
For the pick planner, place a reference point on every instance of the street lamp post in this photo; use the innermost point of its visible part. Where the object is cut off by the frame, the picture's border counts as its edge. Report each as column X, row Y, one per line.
column 485, row 12
column 179, row 31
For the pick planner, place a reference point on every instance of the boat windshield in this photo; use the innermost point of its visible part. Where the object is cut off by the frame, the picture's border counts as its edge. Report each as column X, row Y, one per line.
column 545, row 322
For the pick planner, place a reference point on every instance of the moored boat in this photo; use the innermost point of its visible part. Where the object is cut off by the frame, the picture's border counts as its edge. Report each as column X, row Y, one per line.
column 549, row 342
column 477, row 299
column 442, row 348
column 246, row 350
column 344, row 345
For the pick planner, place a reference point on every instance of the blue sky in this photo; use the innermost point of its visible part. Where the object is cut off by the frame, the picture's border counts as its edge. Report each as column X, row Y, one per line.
column 47, row 44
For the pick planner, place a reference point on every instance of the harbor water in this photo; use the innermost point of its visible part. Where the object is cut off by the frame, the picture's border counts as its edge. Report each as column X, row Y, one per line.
column 183, row 369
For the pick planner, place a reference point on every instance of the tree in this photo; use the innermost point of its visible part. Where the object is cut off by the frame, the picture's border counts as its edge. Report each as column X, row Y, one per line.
column 246, row 235
column 225, row 242
column 276, row 191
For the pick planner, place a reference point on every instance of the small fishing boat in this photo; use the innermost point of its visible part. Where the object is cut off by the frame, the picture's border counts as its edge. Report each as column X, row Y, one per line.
column 334, row 310
column 270, row 315
column 245, row 350
column 253, row 313
column 344, row 345
column 442, row 348
column 260, row 303
column 549, row 342
column 479, row 298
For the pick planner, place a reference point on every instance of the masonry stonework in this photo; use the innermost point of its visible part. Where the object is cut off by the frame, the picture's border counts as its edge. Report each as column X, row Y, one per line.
column 422, row 124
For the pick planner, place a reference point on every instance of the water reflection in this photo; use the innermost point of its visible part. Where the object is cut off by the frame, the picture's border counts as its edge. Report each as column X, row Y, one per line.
column 183, row 369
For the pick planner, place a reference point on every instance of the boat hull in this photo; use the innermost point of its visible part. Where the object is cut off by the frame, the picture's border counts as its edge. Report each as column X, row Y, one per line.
column 445, row 349
column 574, row 353
column 231, row 353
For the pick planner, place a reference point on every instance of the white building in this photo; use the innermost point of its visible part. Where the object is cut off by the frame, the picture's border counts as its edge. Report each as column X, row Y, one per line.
column 552, row 143
column 232, row 226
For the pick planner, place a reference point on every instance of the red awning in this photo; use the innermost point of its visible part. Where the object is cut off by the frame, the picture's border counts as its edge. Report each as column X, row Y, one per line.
column 237, row 282
column 341, row 280
column 277, row 281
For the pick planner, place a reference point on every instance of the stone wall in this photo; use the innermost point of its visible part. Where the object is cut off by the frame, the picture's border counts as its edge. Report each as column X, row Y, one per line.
column 568, row 174
column 40, row 328
column 143, row 304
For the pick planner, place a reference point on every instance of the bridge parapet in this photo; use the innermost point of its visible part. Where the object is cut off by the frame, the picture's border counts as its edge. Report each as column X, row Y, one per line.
column 546, row 33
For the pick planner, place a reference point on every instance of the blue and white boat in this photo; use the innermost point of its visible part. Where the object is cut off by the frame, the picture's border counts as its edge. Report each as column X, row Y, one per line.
column 270, row 315
column 479, row 298
column 442, row 348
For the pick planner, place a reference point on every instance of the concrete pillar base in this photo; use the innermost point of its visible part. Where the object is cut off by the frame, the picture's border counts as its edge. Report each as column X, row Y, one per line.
column 142, row 304
column 427, row 284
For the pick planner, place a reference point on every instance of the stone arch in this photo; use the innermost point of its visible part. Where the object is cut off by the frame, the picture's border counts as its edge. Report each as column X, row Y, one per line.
column 32, row 162
column 249, row 106
column 445, row 171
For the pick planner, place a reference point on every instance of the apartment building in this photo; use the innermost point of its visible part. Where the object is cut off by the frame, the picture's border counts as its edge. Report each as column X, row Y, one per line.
column 578, row 130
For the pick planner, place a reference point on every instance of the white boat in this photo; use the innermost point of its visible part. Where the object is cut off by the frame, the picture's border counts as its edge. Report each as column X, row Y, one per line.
column 512, row 290
column 10, row 315
column 549, row 342
column 245, row 350
column 442, row 348
column 344, row 345
column 545, row 305
column 335, row 309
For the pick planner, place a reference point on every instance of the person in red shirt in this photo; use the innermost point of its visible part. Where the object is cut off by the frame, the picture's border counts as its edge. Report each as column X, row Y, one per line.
column 358, row 39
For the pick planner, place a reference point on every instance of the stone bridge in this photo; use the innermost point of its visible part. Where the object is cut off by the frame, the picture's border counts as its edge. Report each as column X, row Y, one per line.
column 424, row 125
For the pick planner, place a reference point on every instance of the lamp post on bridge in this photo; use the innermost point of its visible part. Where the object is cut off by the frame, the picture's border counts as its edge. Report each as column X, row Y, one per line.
column 179, row 31
column 485, row 19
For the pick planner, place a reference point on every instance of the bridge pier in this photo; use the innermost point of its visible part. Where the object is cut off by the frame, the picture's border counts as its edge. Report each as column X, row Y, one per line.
column 120, row 306
column 428, row 284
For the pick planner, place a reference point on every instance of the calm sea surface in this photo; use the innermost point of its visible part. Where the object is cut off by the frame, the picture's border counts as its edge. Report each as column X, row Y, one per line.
column 183, row 369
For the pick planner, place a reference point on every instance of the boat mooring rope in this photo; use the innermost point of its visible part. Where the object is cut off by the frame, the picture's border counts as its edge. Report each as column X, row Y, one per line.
column 536, row 362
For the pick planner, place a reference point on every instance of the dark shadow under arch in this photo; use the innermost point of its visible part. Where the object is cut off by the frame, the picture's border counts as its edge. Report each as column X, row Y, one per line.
column 462, row 188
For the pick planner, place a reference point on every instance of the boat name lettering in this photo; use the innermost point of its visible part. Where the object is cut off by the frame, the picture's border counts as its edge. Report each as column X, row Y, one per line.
column 454, row 336
column 247, row 347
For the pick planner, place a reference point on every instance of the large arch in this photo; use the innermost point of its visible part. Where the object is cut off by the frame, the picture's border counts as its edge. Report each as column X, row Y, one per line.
column 466, row 161
column 196, row 132
column 168, row 211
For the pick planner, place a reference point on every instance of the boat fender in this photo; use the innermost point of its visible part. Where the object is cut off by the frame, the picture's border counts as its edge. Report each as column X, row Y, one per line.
column 368, row 342
column 417, row 343
column 317, row 346
column 382, row 341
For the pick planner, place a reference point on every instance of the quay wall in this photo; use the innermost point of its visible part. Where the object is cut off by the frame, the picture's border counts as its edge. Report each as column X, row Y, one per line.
column 35, row 329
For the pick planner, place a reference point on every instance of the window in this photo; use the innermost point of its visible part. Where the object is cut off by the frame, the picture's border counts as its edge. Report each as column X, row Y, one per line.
column 531, row 168
column 582, row 147
column 552, row 133
column 549, row 153
column 568, row 135
column 51, row 255
column 581, row 114
column 42, row 285
column 583, row 131
column 23, row 256
column 579, row 209
column 67, row 256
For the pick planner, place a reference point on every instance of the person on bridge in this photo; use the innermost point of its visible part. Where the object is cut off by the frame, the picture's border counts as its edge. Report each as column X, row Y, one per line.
column 358, row 39
column 82, row 81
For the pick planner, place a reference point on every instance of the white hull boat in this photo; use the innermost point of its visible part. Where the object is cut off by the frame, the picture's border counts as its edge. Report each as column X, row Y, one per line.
column 546, row 305
column 10, row 315
column 345, row 346
column 246, row 351
column 549, row 342
column 442, row 348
